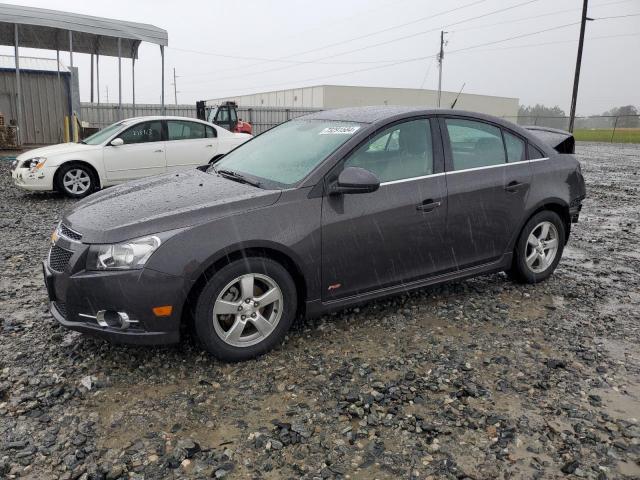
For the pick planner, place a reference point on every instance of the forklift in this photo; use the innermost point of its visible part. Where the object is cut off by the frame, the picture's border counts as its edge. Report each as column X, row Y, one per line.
column 225, row 115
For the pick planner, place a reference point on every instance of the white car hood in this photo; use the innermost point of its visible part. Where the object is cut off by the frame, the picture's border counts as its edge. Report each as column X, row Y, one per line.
column 59, row 149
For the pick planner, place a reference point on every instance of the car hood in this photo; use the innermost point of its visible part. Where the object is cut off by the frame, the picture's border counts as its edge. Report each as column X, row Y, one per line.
column 162, row 203
column 61, row 148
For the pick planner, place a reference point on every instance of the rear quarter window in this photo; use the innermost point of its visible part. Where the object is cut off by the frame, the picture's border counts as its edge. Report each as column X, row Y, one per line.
column 535, row 153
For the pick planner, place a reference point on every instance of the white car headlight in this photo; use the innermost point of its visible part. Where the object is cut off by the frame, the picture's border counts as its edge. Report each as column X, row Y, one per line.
column 35, row 164
column 121, row 256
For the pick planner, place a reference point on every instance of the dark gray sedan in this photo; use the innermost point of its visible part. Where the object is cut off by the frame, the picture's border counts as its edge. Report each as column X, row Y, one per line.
column 319, row 213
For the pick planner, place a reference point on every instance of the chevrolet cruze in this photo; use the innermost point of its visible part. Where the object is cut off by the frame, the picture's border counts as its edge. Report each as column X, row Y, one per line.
column 319, row 213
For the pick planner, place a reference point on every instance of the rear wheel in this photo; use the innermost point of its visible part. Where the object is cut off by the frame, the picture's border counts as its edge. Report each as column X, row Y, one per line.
column 245, row 309
column 539, row 248
column 75, row 180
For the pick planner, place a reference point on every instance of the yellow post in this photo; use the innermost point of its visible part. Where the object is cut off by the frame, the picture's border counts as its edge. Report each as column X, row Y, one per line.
column 66, row 129
column 75, row 128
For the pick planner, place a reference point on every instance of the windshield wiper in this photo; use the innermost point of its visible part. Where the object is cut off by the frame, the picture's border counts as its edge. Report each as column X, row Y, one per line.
column 237, row 177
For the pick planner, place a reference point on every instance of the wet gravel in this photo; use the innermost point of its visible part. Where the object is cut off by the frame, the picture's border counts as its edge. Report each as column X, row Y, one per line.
column 477, row 379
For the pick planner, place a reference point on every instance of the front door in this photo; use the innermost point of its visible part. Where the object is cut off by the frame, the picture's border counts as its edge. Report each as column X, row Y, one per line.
column 487, row 189
column 141, row 155
column 397, row 233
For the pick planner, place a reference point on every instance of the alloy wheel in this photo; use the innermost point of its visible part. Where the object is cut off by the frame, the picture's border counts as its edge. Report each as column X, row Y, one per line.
column 247, row 310
column 76, row 181
column 542, row 247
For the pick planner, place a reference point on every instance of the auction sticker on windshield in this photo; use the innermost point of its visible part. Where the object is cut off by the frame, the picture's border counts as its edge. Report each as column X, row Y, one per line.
column 339, row 130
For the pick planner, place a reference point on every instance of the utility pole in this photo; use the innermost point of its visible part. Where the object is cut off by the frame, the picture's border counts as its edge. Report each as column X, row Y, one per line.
column 175, row 87
column 576, row 78
column 440, row 57
column 107, row 93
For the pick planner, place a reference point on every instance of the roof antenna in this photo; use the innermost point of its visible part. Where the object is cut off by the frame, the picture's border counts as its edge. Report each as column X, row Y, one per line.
column 458, row 96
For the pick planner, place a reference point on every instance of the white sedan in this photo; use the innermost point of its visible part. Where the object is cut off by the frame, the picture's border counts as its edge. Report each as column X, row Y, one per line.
column 129, row 149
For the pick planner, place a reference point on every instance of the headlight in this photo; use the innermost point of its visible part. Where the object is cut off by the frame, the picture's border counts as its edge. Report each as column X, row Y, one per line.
column 35, row 164
column 122, row 256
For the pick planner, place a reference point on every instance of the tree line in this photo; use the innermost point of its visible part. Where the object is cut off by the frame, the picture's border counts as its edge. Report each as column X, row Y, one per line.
column 626, row 113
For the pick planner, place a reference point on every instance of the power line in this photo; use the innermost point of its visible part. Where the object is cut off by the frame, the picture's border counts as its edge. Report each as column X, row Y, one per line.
column 267, row 60
column 342, row 42
column 387, row 42
column 523, row 19
column 415, row 59
column 514, row 37
column 556, row 42
column 619, row 16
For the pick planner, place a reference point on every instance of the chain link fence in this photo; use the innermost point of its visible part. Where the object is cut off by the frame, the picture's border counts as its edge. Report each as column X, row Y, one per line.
column 600, row 128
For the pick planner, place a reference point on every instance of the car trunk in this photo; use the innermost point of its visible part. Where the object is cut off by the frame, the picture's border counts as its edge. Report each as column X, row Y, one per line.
column 560, row 140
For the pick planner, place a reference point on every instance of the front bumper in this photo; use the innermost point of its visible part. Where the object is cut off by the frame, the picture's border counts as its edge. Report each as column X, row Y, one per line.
column 77, row 295
column 40, row 180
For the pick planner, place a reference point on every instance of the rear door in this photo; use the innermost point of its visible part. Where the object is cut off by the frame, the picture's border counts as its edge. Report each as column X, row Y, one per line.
column 396, row 234
column 141, row 155
column 488, row 180
column 189, row 144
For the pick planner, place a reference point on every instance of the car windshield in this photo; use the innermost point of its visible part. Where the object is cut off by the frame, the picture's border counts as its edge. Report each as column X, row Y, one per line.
column 287, row 153
column 102, row 135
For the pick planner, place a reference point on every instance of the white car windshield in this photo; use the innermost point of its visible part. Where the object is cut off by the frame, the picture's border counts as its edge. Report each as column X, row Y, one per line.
column 102, row 135
column 287, row 153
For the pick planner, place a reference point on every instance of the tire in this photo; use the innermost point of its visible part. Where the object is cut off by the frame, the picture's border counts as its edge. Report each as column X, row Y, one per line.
column 75, row 180
column 529, row 265
column 240, row 330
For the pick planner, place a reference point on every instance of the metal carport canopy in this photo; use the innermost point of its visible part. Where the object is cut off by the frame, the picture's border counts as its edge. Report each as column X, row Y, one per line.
column 54, row 30
column 47, row 29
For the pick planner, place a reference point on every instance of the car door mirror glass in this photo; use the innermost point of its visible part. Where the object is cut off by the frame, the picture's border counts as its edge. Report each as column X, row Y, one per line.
column 356, row 180
column 116, row 142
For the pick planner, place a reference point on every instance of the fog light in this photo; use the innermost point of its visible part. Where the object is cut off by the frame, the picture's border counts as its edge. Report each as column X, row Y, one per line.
column 113, row 319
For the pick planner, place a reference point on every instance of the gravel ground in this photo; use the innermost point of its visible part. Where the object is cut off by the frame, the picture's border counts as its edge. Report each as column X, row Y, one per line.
column 476, row 379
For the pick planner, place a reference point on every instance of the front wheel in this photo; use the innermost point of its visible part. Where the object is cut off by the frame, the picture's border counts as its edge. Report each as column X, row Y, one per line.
column 539, row 248
column 245, row 309
column 75, row 181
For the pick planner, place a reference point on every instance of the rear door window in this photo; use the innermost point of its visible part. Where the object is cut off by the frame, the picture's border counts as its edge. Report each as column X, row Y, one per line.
column 185, row 130
column 474, row 144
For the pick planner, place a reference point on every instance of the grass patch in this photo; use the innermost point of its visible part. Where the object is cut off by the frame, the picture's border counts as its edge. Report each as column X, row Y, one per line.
column 622, row 135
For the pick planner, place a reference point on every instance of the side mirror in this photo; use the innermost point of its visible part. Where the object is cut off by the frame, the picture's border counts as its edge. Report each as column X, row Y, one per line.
column 355, row 180
column 116, row 142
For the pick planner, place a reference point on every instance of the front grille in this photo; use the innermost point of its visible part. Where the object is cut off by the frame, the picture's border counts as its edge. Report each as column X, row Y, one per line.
column 59, row 258
column 67, row 232
column 61, row 307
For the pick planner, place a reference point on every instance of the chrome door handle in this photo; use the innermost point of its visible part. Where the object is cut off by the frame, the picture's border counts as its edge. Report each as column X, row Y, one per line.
column 158, row 151
column 208, row 146
column 428, row 205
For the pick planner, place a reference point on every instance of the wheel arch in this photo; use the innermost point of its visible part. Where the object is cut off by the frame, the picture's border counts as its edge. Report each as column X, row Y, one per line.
column 237, row 252
column 555, row 205
column 84, row 163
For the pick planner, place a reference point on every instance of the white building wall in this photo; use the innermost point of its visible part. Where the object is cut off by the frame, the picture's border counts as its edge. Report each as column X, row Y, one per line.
column 307, row 97
column 337, row 96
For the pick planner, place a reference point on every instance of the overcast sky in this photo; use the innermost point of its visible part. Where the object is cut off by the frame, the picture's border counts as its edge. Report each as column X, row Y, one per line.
column 318, row 41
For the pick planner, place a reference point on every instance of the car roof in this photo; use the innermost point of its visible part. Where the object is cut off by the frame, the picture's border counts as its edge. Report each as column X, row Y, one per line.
column 162, row 117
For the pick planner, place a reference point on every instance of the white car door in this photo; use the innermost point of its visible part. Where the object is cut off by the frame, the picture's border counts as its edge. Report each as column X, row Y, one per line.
column 142, row 154
column 189, row 144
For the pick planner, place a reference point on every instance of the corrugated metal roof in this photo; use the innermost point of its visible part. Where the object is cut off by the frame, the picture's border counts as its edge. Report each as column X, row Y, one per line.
column 8, row 62
column 48, row 29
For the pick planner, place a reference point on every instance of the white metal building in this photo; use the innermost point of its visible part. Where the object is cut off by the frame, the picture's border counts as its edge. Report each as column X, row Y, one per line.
column 336, row 96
